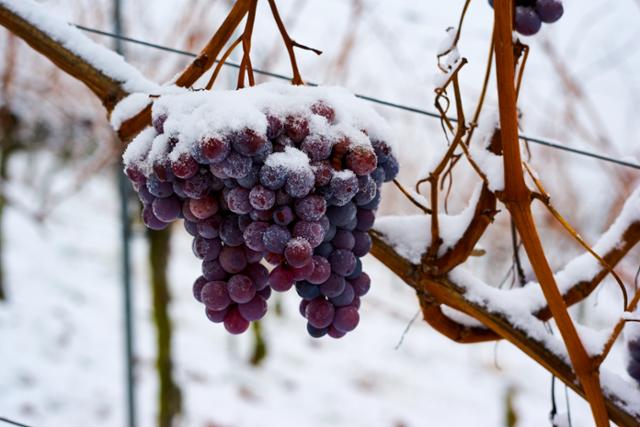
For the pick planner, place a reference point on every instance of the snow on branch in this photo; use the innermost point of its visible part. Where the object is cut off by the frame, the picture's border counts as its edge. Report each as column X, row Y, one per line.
column 106, row 73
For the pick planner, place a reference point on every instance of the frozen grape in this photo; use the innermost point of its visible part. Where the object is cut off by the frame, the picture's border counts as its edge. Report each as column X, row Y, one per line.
column 344, row 186
column 206, row 249
column 346, row 319
column 298, row 252
column 342, row 215
column 342, row 262
column 259, row 274
column 232, row 259
column 214, row 295
column 241, row 289
column 234, row 323
column 212, row 270
column 333, row 286
column 300, row 182
column 185, row 166
column 248, row 142
column 151, row 221
column 274, row 127
column 210, row 227
column 281, row 279
column 296, row 128
column 254, row 309
column 230, row 232
column 283, row 215
column 238, row 200
column 197, row 288
column 203, row 208
column 254, row 236
column 316, row 147
column 311, row 231
column 311, row 208
column 158, row 188
column 528, row 23
column 361, row 159
column 262, row 198
column 276, row 238
column 321, row 270
column 167, row 209
column 273, row 177
column 320, row 313
column 343, row 240
column 236, row 165
column 322, row 109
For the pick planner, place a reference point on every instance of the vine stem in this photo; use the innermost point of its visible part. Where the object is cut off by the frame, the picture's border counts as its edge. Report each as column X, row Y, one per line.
column 290, row 44
column 245, row 65
column 517, row 198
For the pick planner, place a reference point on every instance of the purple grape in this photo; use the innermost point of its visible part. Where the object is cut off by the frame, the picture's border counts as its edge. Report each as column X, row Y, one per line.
column 307, row 290
column 311, row 231
column 253, row 256
column 236, row 165
column 273, row 258
column 361, row 159
column 251, row 179
column 283, row 215
column 296, row 128
column 234, row 323
column 248, row 142
column 319, row 313
column 391, row 168
column 230, row 232
column 167, row 209
column 203, row 208
column 528, row 23
column 192, row 228
column 549, row 11
column 366, row 218
column 367, row 190
column 254, row 309
column 298, row 252
column 343, row 240
column 215, row 296
column 262, row 198
column 206, row 249
column 373, row 205
column 344, row 186
column 232, row 259
column 197, row 288
column 162, row 170
column 144, row 195
column 265, row 293
column 218, row 170
column 214, row 150
column 330, row 234
column 276, row 238
column 311, row 208
column 151, row 221
column 134, row 173
column 185, row 166
column 273, row 177
column 323, row 173
column 281, row 279
column 212, row 270
column 324, row 250
column 342, row 262
column 333, row 286
column 335, row 333
column 300, row 182
column 302, row 273
column 303, row 307
column 158, row 188
column 321, row 270
column 346, row 319
column 274, row 127
column 197, row 186
column 382, row 150
column 362, row 243
column 378, row 176
column 356, row 271
column 241, row 289
column 254, row 236
column 258, row 274
column 342, row 215
column 216, row 316
column 361, row 284
column 316, row 147
column 238, row 200
column 316, row 332
column 210, row 227
column 322, row 109
column 345, row 298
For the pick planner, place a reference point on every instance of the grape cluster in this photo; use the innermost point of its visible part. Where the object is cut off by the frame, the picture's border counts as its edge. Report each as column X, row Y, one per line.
column 633, row 367
column 530, row 14
column 301, row 195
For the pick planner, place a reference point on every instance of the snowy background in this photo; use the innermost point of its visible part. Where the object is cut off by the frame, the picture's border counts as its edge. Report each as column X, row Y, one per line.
column 61, row 329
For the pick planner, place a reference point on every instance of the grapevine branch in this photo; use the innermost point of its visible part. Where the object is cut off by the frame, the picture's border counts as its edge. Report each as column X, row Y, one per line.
column 432, row 283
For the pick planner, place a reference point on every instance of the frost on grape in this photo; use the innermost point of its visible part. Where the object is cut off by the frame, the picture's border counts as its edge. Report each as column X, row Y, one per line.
column 272, row 174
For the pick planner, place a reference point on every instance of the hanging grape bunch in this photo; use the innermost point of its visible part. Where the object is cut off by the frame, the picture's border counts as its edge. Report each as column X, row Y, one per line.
column 530, row 14
column 288, row 175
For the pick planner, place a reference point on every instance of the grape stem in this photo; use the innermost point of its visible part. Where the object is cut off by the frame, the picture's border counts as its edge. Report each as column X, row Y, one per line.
column 290, row 44
column 245, row 64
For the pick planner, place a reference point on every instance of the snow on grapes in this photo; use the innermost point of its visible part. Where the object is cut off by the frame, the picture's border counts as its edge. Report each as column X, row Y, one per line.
column 273, row 174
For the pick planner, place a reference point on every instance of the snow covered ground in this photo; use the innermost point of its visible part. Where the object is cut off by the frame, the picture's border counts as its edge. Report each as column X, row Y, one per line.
column 61, row 337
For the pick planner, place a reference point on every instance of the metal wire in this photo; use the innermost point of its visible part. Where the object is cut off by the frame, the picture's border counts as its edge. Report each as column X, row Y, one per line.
column 15, row 423
column 535, row 140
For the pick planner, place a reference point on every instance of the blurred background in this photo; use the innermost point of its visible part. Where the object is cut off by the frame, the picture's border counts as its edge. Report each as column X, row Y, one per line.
column 61, row 313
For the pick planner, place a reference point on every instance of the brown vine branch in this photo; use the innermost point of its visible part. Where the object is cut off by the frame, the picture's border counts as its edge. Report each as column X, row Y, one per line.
column 290, row 44
column 517, row 198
